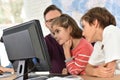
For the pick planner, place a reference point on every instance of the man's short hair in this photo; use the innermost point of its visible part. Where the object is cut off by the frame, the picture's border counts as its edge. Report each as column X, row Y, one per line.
column 51, row 7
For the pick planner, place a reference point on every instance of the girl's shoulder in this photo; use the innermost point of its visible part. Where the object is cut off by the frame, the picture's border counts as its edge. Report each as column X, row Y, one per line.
column 85, row 43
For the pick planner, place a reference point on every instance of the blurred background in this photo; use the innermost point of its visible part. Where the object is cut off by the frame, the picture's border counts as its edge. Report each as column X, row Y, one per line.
column 13, row 12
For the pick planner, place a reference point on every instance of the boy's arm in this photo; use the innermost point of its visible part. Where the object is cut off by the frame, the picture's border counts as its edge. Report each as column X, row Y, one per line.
column 90, row 70
column 106, row 70
column 112, row 66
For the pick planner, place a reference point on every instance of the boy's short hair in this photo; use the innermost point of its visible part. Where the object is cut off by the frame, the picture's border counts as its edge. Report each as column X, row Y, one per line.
column 101, row 14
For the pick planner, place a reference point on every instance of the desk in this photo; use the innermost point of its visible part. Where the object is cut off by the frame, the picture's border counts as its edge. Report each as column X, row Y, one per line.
column 117, row 77
column 9, row 78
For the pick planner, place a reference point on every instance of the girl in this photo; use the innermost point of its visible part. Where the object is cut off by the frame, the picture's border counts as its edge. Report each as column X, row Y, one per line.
column 76, row 49
column 99, row 26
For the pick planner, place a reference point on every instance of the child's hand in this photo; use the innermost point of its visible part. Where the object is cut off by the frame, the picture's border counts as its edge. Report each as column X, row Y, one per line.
column 66, row 47
column 106, row 70
column 102, row 71
column 67, row 44
column 64, row 71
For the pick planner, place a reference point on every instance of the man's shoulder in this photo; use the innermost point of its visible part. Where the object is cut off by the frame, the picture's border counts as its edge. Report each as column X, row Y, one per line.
column 50, row 39
column 48, row 36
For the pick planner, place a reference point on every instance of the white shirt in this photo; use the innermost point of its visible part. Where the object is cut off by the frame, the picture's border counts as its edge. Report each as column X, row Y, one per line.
column 109, row 49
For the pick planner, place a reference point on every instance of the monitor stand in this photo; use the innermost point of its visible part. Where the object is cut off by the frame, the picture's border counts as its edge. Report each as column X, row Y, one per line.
column 22, row 70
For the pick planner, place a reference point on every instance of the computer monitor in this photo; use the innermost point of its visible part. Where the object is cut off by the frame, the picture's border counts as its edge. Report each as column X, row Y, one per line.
column 26, row 41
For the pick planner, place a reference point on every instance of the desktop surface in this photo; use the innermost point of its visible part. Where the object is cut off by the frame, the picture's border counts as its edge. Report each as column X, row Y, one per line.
column 5, row 74
column 116, row 77
column 55, row 77
column 34, row 76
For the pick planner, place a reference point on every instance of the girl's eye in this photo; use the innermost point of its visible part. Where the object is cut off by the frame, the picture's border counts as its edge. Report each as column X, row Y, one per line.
column 57, row 31
column 53, row 33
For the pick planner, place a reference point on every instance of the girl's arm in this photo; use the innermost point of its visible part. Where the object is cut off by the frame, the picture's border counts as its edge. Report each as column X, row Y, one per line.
column 76, row 64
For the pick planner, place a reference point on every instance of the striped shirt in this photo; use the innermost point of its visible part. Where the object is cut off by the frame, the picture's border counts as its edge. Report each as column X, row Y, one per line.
column 80, row 56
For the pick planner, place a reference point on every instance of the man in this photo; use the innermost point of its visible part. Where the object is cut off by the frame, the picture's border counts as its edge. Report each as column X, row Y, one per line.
column 55, row 50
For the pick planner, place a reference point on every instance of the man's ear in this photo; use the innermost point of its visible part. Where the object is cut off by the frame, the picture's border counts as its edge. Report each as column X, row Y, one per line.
column 45, row 24
column 95, row 23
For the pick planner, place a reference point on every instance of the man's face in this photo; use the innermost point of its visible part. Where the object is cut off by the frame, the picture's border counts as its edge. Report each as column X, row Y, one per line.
column 50, row 16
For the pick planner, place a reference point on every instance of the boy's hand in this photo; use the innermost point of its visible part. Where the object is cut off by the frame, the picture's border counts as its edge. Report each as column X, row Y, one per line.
column 106, row 70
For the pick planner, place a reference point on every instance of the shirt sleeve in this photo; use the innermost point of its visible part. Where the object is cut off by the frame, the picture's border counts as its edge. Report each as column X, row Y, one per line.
column 111, row 36
column 97, row 56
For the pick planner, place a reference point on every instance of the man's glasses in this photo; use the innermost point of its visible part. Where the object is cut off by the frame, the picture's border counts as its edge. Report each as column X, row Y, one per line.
column 50, row 20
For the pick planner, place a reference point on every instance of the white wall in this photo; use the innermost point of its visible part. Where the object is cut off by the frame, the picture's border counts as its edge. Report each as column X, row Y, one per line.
column 33, row 9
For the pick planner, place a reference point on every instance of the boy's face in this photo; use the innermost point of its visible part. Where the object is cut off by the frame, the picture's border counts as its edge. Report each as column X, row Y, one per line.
column 88, row 31
column 50, row 16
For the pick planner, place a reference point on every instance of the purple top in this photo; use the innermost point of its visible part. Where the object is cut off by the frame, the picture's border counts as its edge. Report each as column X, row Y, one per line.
column 56, row 54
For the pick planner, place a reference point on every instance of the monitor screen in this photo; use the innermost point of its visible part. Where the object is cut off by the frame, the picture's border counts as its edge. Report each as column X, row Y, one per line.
column 26, row 41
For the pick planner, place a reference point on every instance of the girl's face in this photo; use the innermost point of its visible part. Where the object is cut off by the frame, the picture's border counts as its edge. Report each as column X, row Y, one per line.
column 88, row 31
column 61, row 34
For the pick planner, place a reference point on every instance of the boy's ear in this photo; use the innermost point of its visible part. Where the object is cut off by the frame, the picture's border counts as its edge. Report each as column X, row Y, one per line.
column 95, row 23
column 70, row 29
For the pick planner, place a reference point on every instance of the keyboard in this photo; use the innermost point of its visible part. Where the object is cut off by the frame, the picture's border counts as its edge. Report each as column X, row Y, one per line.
column 38, row 78
column 33, row 76
column 59, row 75
column 69, row 77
